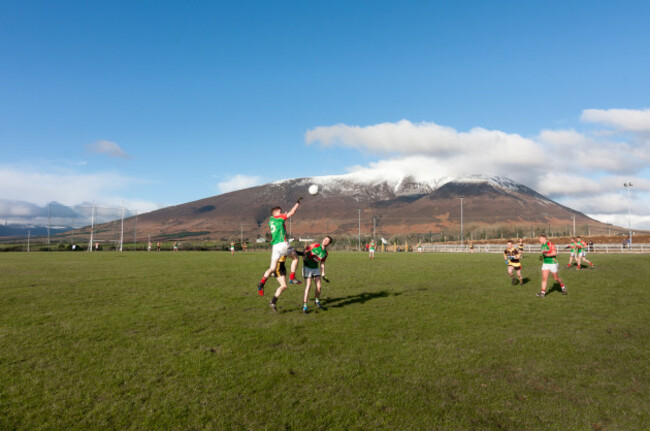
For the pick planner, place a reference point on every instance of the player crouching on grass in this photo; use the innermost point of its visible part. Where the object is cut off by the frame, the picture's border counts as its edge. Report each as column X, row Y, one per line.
column 512, row 255
column 280, row 245
column 549, row 264
column 313, row 268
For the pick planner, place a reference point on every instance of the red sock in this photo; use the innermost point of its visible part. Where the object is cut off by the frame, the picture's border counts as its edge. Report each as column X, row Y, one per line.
column 292, row 276
column 263, row 280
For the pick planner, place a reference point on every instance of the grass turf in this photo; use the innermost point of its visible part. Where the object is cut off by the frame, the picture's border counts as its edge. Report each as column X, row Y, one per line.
column 433, row 341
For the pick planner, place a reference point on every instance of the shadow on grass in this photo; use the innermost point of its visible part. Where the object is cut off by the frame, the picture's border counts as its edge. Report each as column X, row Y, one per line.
column 555, row 288
column 358, row 299
column 525, row 280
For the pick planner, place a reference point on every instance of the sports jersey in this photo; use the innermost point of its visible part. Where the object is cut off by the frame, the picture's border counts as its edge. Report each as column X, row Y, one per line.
column 578, row 246
column 278, row 231
column 314, row 255
column 372, row 246
column 232, row 245
column 549, row 252
column 520, row 246
column 513, row 256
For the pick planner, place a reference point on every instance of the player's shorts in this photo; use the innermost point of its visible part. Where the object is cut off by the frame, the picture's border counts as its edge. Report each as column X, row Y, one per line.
column 232, row 248
column 550, row 266
column 310, row 272
column 419, row 248
column 372, row 250
column 515, row 265
column 280, row 270
column 281, row 249
column 573, row 254
column 582, row 253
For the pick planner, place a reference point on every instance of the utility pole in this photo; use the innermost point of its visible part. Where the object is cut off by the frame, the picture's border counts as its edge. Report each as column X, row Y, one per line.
column 92, row 227
column 29, row 234
column 135, row 232
column 241, row 234
column 629, row 186
column 359, row 229
column 49, row 222
column 462, row 234
column 374, row 226
column 574, row 225
column 122, row 228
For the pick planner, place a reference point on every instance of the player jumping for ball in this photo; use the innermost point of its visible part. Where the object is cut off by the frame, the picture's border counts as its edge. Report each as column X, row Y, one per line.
column 313, row 267
column 280, row 245
column 549, row 265
column 280, row 272
column 512, row 255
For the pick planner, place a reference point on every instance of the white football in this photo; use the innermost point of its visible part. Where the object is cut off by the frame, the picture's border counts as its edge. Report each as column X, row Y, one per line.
column 313, row 190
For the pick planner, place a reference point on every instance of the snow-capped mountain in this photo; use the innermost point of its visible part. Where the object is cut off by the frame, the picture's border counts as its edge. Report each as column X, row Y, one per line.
column 397, row 204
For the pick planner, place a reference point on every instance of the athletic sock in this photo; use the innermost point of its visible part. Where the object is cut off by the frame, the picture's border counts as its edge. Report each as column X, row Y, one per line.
column 292, row 276
column 274, row 299
column 304, row 305
column 317, row 301
column 263, row 280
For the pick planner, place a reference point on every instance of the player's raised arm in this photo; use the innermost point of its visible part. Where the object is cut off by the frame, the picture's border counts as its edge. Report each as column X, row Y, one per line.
column 293, row 210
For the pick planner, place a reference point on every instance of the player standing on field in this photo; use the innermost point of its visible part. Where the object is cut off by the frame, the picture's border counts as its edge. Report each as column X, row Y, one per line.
column 582, row 253
column 371, row 250
column 512, row 255
column 280, row 245
column 573, row 247
column 313, row 267
column 232, row 248
column 549, row 265
column 420, row 247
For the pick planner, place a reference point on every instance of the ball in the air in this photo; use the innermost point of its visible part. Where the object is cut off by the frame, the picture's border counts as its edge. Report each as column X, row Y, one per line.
column 313, row 190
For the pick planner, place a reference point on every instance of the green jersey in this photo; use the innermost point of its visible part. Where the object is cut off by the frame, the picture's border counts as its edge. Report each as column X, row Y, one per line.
column 278, row 231
column 315, row 254
column 372, row 246
column 549, row 252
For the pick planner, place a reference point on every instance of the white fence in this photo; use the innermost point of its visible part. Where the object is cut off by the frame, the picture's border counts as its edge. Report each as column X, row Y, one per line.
column 534, row 248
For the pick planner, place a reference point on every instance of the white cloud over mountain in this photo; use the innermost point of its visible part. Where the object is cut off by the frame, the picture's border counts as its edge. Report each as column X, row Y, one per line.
column 585, row 168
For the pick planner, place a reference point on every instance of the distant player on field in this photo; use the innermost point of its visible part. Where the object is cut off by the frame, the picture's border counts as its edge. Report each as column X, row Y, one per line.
column 582, row 253
column 572, row 245
column 549, row 265
column 512, row 255
column 280, row 245
column 232, row 248
column 420, row 247
column 371, row 250
column 520, row 246
column 313, row 268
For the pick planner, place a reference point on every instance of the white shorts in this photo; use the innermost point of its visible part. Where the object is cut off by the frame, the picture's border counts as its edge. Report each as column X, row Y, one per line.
column 573, row 254
column 550, row 266
column 281, row 249
column 310, row 272
column 582, row 253
column 232, row 248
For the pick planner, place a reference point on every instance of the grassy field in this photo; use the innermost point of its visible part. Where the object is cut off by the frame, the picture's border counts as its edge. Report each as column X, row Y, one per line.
column 435, row 341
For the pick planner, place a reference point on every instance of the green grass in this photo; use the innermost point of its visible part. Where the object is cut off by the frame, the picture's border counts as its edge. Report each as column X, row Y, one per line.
column 435, row 341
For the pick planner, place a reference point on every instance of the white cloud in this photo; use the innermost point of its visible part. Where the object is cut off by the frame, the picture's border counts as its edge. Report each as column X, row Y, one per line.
column 633, row 120
column 25, row 191
column 584, row 170
column 238, row 182
column 107, row 148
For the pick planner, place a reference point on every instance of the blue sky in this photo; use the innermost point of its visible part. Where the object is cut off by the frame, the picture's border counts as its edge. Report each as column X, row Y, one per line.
column 157, row 103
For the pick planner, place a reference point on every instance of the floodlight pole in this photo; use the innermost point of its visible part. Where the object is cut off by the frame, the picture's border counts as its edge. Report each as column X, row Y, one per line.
column 29, row 234
column 574, row 225
column 49, row 223
column 135, row 232
column 629, row 186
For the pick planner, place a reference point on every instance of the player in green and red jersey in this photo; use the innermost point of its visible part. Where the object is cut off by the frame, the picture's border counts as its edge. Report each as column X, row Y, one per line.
column 371, row 250
column 232, row 248
column 419, row 246
column 280, row 245
column 313, row 267
column 582, row 253
column 574, row 256
column 549, row 264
